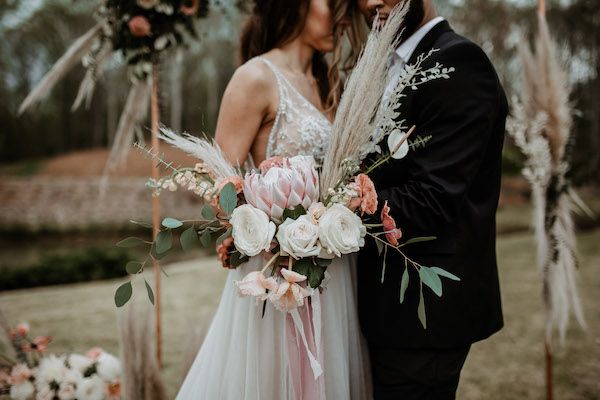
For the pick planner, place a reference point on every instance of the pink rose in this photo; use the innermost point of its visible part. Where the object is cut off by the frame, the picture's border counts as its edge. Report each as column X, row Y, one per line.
column 22, row 329
column 368, row 195
column 190, row 7
column 19, row 374
column 94, row 353
column 392, row 234
column 113, row 390
column 223, row 250
column 41, row 343
column 139, row 26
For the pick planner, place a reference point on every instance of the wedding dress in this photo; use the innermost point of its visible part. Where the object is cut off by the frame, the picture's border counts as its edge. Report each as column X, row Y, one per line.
column 246, row 356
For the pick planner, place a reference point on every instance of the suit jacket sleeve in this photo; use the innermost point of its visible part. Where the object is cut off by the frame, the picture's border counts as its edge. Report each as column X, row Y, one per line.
column 459, row 114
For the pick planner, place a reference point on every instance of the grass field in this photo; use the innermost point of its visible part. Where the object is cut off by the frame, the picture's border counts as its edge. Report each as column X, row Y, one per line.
column 509, row 366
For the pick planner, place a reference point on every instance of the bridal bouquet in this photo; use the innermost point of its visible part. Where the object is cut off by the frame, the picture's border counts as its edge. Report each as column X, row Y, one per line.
column 299, row 217
column 33, row 373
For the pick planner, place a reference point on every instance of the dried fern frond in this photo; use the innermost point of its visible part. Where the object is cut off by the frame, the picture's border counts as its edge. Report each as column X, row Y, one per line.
column 72, row 57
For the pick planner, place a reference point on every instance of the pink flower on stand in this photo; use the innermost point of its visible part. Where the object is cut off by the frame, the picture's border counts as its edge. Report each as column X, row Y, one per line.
column 289, row 294
column 392, row 234
column 41, row 343
column 190, row 7
column 19, row 374
column 94, row 353
column 22, row 329
column 139, row 26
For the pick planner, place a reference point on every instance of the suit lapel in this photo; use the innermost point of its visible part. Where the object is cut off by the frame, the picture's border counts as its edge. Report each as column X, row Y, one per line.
column 429, row 39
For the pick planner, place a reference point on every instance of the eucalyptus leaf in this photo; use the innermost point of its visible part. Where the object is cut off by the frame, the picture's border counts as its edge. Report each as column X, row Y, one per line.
column 164, row 241
column 404, row 284
column 379, row 247
column 236, row 259
column 430, row 279
column 228, row 198
column 171, row 223
column 142, row 223
column 133, row 267
column 207, row 212
column 418, row 240
column 150, row 292
column 293, row 213
column 445, row 274
column 131, row 242
column 205, row 238
column 316, row 276
column 302, row 266
column 421, row 310
column 224, row 236
column 157, row 256
column 123, row 294
column 189, row 239
column 323, row 262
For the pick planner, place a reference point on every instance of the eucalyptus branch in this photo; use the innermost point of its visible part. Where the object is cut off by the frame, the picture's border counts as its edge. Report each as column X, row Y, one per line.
column 155, row 156
column 397, row 248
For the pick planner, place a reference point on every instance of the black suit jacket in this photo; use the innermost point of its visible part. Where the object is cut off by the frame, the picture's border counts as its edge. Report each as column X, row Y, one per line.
column 448, row 189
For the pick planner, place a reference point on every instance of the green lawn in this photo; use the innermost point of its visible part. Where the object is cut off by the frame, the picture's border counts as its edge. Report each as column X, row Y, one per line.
column 507, row 366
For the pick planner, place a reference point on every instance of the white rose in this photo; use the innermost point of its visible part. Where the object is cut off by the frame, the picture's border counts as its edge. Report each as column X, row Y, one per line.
column 108, row 367
column 299, row 238
column 252, row 230
column 22, row 391
column 341, row 231
column 91, row 388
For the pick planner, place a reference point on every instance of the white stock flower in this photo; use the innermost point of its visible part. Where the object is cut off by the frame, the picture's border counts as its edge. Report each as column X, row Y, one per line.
column 341, row 231
column 299, row 238
column 91, row 388
column 44, row 393
column 109, row 367
column 22, row 391
column 66, row 391
column 51, row 369
column 252, row 230
column 79, row 363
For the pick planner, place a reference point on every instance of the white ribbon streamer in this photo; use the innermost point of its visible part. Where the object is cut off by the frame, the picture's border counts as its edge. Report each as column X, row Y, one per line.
column 314, row 363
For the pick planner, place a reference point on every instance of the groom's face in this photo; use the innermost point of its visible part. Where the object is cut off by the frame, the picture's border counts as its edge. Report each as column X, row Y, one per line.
column 414, row 17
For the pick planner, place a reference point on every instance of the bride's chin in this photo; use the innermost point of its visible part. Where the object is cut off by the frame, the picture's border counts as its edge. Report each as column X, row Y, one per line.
column 325, row 46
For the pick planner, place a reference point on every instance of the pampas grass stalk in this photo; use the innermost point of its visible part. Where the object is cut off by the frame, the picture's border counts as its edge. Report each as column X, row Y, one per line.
column 354, row 119
column 72, row 57
column 142, row 378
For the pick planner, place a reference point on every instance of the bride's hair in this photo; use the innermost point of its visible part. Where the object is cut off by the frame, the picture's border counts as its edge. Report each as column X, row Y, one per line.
column 273, row 23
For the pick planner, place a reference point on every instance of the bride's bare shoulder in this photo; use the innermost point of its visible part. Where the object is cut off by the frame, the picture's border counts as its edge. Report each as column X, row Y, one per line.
column 254, row 78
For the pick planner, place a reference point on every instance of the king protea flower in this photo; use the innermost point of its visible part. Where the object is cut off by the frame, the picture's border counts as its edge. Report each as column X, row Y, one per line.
column 283, row 186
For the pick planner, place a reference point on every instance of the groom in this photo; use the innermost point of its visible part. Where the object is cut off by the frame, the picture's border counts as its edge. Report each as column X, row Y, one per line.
column 448, row 189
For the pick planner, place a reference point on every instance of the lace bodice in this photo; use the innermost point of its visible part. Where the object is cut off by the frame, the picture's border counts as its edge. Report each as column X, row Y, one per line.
column 299, row 128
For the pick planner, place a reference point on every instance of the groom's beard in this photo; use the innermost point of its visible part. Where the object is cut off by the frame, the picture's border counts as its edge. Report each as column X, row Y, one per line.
column 413, row 19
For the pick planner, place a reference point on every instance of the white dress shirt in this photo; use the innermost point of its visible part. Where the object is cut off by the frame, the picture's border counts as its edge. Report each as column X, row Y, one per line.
column 403, row 53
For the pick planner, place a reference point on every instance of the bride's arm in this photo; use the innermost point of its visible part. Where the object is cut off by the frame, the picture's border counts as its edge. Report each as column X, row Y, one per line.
column 246, row 104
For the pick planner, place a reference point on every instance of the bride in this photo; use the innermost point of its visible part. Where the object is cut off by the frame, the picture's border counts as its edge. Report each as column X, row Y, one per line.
column 280, row 102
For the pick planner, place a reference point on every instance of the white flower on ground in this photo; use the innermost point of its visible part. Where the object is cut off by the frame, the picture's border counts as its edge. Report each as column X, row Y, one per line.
column 109, row 367
column 341, row 231
column 51, row 369
column 91, row 388
column 299, row 238
column 66, row 391
column 289, row 294
column 44, row 393
column 252, row 230
column 79, row 363
column 22, row 391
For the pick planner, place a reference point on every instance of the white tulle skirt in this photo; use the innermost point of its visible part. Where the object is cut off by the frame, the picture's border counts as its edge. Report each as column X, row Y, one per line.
column 244, row 356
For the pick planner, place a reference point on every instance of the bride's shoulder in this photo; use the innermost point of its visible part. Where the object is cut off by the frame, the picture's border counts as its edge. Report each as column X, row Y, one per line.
column 254, row 77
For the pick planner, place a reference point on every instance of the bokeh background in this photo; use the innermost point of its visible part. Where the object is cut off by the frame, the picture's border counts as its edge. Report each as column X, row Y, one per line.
column 58, row 263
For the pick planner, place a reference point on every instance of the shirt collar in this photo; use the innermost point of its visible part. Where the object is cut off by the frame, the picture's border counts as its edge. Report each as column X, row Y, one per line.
column 405, row 50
